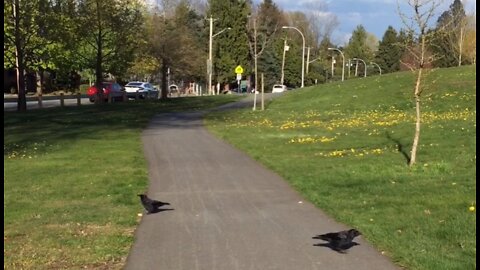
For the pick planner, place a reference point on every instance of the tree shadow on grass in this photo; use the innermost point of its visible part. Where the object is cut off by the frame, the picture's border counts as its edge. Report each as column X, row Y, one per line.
column 400, row 146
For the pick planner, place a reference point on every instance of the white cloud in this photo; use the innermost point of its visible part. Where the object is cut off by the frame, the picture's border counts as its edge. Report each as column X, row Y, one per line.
column 323, row 15
column 354, row 18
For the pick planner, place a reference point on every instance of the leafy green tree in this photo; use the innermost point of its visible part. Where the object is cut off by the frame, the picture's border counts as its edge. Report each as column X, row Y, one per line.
column 25, row 38
column 191, row 66
column 59, row 55
column 108, row 30
column 174, row 44
column 31, row 40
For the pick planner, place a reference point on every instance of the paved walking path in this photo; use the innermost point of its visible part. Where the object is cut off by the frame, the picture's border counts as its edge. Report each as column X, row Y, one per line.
column 229, row 212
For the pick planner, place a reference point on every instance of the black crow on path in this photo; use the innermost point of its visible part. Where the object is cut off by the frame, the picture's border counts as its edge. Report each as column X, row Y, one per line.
column 151, row 205
column 340, row 241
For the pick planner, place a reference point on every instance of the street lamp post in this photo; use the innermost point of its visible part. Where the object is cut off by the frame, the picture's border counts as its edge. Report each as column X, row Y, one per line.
column 373, row 63
column 365, row 65
column 210, row 58
column 343, row 61
column 303, row 52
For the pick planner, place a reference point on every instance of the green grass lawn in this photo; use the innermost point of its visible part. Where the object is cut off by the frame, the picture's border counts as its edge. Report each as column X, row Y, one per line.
column 345, row 147
column 70, row 182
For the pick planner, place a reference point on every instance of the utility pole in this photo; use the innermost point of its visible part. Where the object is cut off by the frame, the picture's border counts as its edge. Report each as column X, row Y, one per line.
column 333, row 66
column 210, row 58
column 356, row 67
column 255, row 56
column 209, row 63
column 285, row 48
column 349, row 67
column 308, row 61
column 308, row 58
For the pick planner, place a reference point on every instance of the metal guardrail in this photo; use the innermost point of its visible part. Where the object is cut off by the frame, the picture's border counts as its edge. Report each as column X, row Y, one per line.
column 49, row 97
column 137, row 96
column 78, row 96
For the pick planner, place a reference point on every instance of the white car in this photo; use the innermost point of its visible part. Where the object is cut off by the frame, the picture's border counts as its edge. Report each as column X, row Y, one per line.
column 144, row 89
column 279, row 88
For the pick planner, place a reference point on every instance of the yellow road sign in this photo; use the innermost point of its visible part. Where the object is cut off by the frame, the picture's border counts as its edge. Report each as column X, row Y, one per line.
column 239, row 69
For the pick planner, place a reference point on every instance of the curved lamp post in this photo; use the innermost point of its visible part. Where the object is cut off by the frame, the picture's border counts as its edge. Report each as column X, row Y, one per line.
column 303, row 52
column 373, row 63
column 343, row 61
column 364, row 75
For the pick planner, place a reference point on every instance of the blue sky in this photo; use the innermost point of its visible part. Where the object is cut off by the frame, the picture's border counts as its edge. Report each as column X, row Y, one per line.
column 374, row 15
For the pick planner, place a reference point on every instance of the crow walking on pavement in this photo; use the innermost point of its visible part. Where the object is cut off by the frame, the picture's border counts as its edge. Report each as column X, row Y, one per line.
column 340, row 241
column 149, row 204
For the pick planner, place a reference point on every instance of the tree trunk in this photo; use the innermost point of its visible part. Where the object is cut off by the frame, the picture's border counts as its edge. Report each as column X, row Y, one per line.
column 98, row 66
column 99, row 75
column 19, row 59
column 22, row 100
column 164, row 92
column 40, row 83
column 416, row 137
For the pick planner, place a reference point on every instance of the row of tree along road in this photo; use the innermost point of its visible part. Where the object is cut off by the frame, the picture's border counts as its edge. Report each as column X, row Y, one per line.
column 57, row 42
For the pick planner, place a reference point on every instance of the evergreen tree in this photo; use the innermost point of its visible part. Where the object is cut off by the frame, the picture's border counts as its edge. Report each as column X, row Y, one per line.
column 389, row 51
column 449, row 33
column 231, row 47
column 357, row 46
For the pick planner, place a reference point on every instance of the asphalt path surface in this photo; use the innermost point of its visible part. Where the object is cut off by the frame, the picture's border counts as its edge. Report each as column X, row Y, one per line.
column 228, row 211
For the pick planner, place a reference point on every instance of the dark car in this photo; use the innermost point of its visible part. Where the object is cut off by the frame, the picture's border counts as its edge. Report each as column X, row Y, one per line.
column 109, row 88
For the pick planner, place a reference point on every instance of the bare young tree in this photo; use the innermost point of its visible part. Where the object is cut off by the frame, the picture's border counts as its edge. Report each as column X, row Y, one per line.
column 454, row 23
column 322, row 22
column 418, row 24
column 256, row 50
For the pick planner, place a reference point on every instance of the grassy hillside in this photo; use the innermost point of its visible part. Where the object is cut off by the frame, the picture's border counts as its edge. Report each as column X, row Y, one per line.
column 345, row 147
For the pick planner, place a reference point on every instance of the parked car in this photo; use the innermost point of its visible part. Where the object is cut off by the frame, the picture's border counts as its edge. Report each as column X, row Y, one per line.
column 279, row 88
column 144, row 89
column 113, row 88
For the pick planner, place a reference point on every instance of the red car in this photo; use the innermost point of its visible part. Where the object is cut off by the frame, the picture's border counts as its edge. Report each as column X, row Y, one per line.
column 115, row 89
